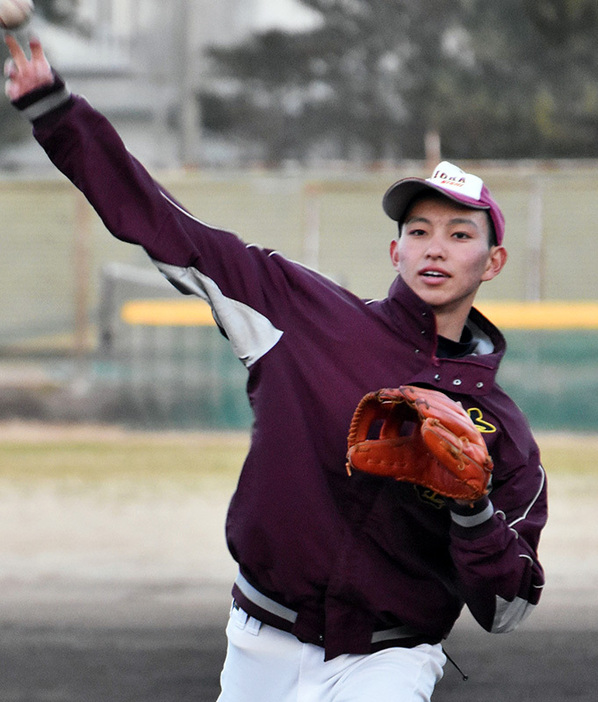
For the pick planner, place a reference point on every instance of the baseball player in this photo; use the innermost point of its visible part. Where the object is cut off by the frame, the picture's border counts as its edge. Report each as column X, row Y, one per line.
column 347, row 583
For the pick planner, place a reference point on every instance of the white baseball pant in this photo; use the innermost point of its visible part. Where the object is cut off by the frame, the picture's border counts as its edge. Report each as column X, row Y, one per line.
column 265, row 664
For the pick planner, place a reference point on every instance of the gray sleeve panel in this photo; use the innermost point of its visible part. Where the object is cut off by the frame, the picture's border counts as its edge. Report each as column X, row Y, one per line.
column 250, row 333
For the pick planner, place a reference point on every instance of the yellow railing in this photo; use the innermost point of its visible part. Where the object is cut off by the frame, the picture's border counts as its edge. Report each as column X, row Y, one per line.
column 506, row 315
column 542, row 315
column 168, row 313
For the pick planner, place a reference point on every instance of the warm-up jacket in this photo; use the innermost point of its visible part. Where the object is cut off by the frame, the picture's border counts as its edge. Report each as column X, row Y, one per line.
column 349, row 556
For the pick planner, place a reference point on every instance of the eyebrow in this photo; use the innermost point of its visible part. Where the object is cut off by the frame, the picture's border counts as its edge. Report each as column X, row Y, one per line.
column 454, row 220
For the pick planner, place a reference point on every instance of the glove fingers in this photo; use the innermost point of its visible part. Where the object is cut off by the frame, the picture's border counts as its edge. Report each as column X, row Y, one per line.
column 469, row 463
column 398, row 414
column 371, row 409
column 367, row 412
column 432, row 404
column 458, row 450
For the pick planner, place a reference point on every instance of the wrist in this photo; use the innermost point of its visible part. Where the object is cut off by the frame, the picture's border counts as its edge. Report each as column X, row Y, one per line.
column 471, row 514
column 44, row 100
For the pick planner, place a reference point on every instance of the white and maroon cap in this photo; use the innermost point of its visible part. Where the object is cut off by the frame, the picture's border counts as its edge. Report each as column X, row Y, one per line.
column 451, row 181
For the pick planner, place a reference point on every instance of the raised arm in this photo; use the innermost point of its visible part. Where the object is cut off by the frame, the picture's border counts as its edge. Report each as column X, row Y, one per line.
column 197, row 258
column 23, row 74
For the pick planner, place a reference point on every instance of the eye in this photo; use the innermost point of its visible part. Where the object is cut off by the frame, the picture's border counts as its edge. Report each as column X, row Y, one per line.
column 416, row 232
column 461, row 235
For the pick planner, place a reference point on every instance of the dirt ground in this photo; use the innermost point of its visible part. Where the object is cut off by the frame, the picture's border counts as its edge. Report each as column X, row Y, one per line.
column 106, row 598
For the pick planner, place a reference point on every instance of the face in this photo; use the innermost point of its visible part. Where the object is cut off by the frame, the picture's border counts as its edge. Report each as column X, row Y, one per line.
column 443, row 254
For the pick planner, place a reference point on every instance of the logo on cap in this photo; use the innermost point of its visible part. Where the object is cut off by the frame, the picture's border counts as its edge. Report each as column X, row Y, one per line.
column 450, row 177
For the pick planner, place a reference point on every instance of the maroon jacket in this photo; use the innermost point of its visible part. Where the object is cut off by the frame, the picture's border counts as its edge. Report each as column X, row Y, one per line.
column 348, row 555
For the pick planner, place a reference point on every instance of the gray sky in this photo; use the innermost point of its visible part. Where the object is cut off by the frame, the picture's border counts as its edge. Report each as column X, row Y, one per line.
column 282, row 13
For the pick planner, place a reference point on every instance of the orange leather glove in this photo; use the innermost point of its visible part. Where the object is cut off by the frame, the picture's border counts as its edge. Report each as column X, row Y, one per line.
column 443, row 451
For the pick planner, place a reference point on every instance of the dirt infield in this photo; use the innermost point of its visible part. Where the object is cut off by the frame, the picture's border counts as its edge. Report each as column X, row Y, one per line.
column 126, row 600
column 80, row 664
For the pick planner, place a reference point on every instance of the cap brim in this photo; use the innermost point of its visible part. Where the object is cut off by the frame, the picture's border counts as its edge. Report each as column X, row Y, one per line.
column 398, row 197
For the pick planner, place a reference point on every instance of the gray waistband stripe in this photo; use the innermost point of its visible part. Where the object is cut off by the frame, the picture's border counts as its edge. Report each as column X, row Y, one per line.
column 264, row 602
column 399, row 632
column 269, row 605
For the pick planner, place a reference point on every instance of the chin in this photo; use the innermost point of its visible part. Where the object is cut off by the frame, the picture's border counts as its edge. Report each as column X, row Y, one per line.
column 434, row 298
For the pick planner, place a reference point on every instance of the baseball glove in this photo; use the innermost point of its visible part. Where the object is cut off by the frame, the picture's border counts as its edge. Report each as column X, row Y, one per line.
column 444, row 451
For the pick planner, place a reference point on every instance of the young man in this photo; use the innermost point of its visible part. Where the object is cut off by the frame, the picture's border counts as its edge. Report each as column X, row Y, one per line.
column 347, row 585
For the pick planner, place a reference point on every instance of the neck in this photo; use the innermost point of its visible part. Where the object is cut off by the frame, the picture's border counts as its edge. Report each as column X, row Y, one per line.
column 450, row 326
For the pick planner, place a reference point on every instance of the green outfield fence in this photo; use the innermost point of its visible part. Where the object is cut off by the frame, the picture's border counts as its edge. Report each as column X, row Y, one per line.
column 69, row 350
column 553, row 377
column 171, row 364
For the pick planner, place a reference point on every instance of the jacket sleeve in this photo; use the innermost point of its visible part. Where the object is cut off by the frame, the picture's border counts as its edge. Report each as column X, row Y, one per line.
column 494, row 546
column 85, row 147
column 239, row 281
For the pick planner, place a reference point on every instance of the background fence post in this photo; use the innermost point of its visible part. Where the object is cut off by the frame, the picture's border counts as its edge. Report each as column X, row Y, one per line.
column 82, row 274
column 535, row 242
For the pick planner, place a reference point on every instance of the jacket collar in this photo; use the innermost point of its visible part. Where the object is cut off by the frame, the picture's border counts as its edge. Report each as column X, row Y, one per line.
column 472, row 375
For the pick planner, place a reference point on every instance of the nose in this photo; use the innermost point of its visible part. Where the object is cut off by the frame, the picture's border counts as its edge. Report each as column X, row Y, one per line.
column 435, row 249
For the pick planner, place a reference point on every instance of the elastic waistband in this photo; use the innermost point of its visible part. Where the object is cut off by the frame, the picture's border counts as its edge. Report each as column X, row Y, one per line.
column 270, row 612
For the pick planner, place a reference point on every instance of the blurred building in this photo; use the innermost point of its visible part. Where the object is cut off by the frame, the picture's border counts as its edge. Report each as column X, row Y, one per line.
column 140, row 63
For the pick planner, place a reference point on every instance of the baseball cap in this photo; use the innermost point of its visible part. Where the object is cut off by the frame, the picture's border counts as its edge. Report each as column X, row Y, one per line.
column 450, row 180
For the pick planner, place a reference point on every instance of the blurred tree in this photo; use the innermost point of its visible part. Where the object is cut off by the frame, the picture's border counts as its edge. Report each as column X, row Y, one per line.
column 515, row 78
column 565, row 100
column 337, row 90
column 560, row 20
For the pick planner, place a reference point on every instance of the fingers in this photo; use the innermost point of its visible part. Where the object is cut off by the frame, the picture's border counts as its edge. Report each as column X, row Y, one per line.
column 10, row 65
column 9, row 68
column 17, row 53
column 37, row 52
column 10, row 73
column 25, row 75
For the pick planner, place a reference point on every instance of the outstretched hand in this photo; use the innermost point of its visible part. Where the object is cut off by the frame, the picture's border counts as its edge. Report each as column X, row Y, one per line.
column 23, row 74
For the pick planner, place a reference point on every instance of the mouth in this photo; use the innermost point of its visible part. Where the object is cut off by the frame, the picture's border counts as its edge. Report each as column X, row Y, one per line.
column 434, row 274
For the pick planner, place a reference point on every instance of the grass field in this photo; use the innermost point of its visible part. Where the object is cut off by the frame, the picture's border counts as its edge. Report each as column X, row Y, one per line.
column 92, row 456
column 89, row 456
column 569, row 454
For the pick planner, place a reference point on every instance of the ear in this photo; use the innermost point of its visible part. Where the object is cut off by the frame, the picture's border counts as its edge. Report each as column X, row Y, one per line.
column 394, row 254
column 496, row 262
